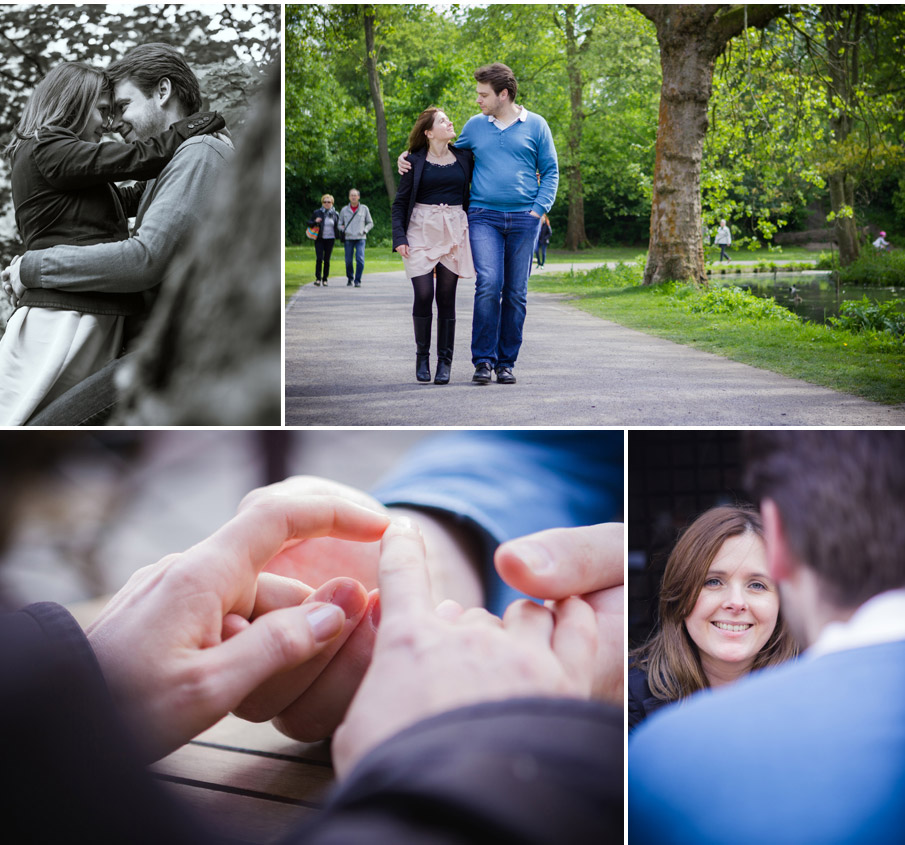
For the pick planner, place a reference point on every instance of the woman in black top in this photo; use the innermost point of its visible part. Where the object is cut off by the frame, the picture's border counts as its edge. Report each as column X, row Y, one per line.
column 326, row 219
column 430, row 232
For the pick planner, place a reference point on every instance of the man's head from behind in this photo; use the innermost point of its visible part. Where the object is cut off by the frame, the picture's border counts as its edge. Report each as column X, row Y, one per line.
column 153, row 88
column 840, row 496
column 496, row 88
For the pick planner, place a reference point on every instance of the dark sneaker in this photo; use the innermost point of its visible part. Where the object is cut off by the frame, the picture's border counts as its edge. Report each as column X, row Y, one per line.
column 317, row 283
column 482, row 374
column 504, row 375
column 349, row 283
column 325, row 283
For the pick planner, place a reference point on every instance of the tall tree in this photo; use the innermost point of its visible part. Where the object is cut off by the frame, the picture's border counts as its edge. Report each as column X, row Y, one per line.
column 370, row 15
column 691, row 38
column 577, row 44
column 843, row 31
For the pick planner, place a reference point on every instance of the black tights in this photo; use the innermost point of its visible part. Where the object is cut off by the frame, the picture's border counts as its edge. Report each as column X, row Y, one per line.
column 446, row 294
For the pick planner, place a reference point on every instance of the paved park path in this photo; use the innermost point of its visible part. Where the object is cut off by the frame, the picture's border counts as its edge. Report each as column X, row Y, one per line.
column 350, row 360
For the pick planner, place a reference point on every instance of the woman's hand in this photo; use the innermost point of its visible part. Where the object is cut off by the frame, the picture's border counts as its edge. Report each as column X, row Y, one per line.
column 175, row 644
column 403, row 250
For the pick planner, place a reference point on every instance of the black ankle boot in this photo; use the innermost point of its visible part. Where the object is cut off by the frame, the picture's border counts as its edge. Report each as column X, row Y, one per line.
column 422, row 348
column 446, row 337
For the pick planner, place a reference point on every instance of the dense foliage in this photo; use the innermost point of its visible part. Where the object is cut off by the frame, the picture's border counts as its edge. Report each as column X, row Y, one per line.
column 770, row 152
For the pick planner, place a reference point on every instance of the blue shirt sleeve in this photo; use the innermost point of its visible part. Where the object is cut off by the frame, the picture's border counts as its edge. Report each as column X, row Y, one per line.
column 548, row 167
column 510, row 483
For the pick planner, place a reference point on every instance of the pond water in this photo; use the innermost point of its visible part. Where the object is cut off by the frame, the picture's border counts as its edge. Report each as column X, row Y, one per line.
column 811, row 295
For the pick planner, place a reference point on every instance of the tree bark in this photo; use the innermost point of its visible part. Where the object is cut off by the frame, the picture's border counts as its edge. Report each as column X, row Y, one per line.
column 691, row 37
column 383, row 150
column 576, row 236
column 843, row 35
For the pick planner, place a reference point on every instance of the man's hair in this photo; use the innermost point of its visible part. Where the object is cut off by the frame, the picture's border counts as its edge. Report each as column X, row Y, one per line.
column 498, row 76
column 147, row 64
column 841, row 495
column 670, row 657
column 64, row 98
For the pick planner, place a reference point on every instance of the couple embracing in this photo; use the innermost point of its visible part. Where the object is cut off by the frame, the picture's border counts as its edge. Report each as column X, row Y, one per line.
column 474, row 209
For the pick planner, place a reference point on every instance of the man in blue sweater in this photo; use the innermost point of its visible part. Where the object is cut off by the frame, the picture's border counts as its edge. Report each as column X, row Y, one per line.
column 513, row 185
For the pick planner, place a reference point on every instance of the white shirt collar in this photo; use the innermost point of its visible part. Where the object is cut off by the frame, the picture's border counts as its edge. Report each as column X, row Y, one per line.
column 522, row 116
column 879, row 620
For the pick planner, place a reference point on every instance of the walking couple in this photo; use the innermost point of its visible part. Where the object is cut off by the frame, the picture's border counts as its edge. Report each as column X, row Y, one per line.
column 474, row 209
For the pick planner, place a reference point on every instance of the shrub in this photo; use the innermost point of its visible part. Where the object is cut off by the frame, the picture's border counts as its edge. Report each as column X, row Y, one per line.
column 883, row 269
column 734, row 300
column 868, row 315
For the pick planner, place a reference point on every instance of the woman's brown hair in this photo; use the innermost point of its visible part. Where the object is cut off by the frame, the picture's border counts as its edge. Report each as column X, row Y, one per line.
column 670, row 656
column 425, row 121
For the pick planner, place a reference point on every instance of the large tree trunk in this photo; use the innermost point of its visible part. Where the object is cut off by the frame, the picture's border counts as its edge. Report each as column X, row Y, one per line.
column 690, row 38
column 383, row 150
column 844, row 25
column 576, row 236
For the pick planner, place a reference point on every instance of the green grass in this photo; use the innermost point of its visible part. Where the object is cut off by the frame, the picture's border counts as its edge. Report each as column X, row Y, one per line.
column 869, row 364
column 300, row 262
column 378, row 259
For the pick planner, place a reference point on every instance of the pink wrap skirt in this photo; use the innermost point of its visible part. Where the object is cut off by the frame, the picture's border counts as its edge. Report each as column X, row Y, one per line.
column 438, row 234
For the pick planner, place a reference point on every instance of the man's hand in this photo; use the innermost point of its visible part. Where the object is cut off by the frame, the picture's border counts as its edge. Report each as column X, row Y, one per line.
column 429, row 661
column 176, row 645
column 533, row 213
column 403, row 165
column 587, row 562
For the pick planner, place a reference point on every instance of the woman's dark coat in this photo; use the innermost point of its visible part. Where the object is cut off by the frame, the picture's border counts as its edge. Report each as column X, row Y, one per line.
column 404, row 203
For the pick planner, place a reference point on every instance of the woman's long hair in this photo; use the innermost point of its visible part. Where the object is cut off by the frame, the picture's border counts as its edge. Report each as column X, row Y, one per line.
column 64, row 98
column 417, row 138
column 670, row 657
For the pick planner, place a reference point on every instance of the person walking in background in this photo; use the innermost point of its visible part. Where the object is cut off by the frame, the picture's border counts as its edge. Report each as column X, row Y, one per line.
column 723, row 239
column 354, row 224
column 543, row 240
column 326, row 219
column 430, row 232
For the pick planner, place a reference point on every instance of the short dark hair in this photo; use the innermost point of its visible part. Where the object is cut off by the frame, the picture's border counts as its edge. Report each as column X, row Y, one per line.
column 147, row 64
column 498, row 76
column 841, row 495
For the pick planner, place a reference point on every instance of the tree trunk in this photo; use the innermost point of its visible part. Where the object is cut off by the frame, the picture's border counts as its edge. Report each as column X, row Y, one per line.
column 843, row 35
column 576, row 236
column 383, row 150
column 690, row 38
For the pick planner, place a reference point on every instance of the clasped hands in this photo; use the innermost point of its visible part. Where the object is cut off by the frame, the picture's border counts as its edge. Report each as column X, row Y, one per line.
column 209, row 631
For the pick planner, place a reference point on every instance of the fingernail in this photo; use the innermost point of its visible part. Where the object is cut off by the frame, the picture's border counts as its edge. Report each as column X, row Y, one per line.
column 350, row 598
column 326, row 621
column 535, row 557
column 375, row 613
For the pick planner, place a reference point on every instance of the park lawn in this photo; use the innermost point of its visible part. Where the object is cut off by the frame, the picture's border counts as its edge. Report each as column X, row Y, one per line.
column 837, row 359
column 378, row 259
column 300, row 262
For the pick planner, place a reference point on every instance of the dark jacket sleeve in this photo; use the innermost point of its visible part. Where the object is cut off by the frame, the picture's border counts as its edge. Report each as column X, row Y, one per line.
column 521, row 770
column 130, row 196
column 69, row 163
column 69, row 770
column 401, row 206
column 466, row 158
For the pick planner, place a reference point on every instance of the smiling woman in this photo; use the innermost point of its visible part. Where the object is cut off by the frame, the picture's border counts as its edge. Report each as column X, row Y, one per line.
column 719, row 614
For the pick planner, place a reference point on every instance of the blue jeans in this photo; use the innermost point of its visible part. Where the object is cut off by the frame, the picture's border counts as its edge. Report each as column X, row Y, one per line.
column 359, row 248
column 502, row 245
